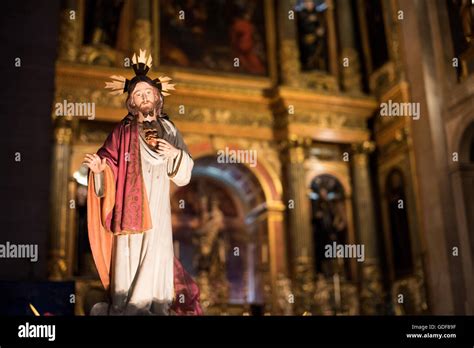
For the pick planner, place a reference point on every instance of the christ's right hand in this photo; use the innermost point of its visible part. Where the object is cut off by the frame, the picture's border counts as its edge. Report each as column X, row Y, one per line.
column 95, row 163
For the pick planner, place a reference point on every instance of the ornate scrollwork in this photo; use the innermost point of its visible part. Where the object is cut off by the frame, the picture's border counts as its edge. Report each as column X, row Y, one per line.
column 329, row 120
column 284, row 295
column 68, row 36
column 409, row 294
column 225, row 116
column 372, row 294
column 290, row 64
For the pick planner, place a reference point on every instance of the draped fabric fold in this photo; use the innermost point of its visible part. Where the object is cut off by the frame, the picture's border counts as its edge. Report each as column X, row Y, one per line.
column 186, row 291
column 100, row 238
column 122, row 151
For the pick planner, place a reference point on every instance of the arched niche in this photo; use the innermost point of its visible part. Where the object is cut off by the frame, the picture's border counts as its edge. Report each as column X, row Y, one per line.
column 330, row 223
column 220, row 223
column 275, row 248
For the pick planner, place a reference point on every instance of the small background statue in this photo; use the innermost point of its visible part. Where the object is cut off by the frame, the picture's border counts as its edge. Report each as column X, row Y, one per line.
column 210, row 261
column 312, row 35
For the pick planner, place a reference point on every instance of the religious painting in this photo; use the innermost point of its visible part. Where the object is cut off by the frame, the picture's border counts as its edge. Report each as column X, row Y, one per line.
column 217, row 35
column 312, row 34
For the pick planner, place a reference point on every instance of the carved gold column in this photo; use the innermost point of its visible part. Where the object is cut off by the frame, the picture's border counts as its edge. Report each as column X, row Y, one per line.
column 371, row 289
column 350, row 74
column 141, row 31
column 276, row 242
column 69, row 31
column 299, row 224
column 59, row 267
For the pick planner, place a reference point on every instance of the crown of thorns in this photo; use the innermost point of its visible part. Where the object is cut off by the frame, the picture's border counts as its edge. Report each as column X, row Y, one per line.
column 141, row 65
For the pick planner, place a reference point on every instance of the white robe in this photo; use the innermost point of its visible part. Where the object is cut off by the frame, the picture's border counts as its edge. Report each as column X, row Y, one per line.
column 142, row 264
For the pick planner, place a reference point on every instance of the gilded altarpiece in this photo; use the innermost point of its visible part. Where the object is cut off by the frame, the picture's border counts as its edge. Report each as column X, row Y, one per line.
column 286, row 123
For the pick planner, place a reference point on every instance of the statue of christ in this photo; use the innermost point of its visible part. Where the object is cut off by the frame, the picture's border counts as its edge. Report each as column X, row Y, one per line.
column 129, row 215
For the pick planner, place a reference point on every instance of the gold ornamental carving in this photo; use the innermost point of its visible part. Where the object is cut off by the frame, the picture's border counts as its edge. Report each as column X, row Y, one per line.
column 100, row 54
column 265, row 150
column 68, row 36
column 351, row 77
column 284, row 295
column 329, row 120
column 141, row 35
column 224, row 116
column 297, row 148
column 365, row 147
column 92, row 136
column 383, row 78
column 320, row 81
column 63, row 135
column 57, row 266
column 400, row 140
column 290, row 64
column 409, row 294
column 372, row 294
column 99, row 97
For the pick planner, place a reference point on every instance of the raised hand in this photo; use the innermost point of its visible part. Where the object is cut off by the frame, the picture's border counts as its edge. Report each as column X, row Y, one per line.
column 95, row 163
column 167, row 150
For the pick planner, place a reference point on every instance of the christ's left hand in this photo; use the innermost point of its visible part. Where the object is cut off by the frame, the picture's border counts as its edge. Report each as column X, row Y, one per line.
column 167, row 150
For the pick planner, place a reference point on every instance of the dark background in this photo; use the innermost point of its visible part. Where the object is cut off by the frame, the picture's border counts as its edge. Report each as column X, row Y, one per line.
column 29, row 30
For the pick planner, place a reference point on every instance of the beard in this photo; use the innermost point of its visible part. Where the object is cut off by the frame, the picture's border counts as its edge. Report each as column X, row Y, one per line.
column 146, row 107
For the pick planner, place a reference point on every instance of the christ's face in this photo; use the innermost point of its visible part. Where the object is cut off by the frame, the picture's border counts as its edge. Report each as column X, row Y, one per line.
column 144, row 97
